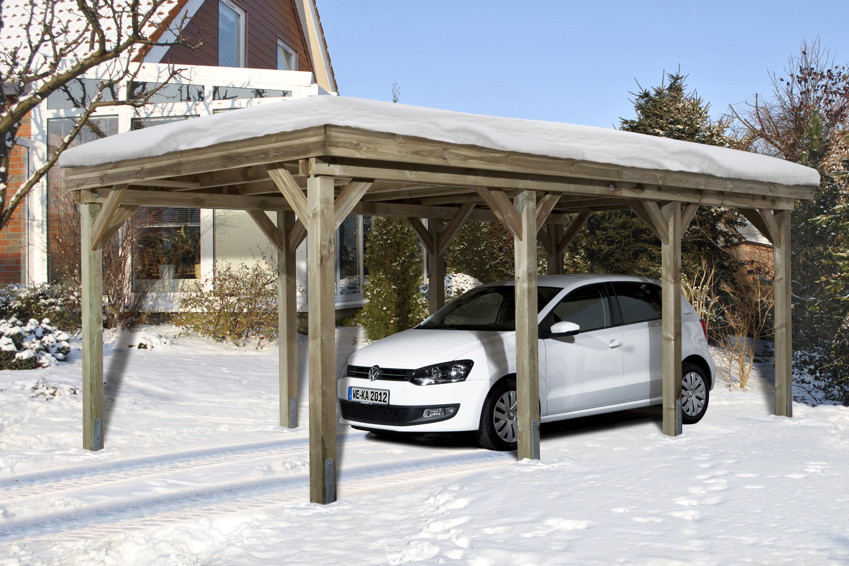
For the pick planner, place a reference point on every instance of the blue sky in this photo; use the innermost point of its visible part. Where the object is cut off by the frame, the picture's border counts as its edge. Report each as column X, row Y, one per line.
column 568, row 61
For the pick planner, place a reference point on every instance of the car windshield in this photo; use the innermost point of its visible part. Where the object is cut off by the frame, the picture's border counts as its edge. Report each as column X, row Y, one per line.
column 484, row 308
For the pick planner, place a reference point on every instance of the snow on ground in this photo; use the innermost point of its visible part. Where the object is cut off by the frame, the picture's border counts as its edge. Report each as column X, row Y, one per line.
column 195, row 471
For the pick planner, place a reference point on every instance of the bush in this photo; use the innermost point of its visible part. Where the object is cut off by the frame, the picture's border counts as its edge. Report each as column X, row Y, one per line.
column 31, row 345
column 394, row 262
column 238, row 304
column 61, row 303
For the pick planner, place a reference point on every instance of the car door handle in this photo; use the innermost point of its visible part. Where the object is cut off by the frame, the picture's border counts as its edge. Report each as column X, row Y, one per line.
column 613, row 344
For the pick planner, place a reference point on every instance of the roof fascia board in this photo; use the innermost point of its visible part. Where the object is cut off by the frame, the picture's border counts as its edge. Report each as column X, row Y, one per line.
column 316, row 45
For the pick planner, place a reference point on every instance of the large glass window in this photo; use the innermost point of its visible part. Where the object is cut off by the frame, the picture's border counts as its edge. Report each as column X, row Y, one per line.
column 231, row 35
column 79, row 93
column 168, row 92
column 63, row 219
column 168, row 244
column 232, row 92
column 349, row 262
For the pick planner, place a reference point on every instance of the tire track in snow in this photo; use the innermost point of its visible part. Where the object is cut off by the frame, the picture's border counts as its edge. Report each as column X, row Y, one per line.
column 122, row 515
column 66, row 479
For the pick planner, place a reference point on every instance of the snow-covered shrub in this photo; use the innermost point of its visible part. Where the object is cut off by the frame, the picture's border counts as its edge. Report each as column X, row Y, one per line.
column 61, row 303
column 31, row 344
column 240, row 304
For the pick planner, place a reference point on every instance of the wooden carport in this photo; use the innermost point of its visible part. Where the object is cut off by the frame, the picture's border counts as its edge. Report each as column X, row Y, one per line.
column 314, row 161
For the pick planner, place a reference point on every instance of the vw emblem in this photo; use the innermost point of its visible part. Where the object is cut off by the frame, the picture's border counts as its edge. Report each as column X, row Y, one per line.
column 374, row 373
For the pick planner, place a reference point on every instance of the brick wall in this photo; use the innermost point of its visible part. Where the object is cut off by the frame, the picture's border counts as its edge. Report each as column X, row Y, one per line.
column 13, row 235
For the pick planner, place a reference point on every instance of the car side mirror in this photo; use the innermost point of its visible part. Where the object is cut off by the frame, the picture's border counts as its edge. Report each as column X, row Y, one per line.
column 564, row 328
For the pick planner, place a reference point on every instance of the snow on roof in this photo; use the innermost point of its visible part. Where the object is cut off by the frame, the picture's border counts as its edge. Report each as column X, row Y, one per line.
column 551, row 139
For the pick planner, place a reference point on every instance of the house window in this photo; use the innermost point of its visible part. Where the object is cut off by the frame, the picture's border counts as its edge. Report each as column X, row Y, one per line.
column 231, row 35
column 167, row 247
column 350, row 274
column 287, row 59
column 63, row 219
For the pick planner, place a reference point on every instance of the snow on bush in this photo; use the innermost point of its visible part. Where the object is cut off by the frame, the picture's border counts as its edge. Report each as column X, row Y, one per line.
column 31, row 344
column 455, row 285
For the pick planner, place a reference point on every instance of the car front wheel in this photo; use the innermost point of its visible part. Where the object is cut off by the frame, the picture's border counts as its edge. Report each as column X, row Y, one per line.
column 695, row 393
column 498, row 425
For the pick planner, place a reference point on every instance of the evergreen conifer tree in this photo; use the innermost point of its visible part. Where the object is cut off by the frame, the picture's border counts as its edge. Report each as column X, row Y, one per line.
column 393, row 260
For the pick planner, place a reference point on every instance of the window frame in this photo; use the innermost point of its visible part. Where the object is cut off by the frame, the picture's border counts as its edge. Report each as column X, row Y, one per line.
column 293, row 55
column 242, row 31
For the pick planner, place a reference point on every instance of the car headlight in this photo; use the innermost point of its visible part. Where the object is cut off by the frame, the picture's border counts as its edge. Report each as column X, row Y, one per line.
column 448, row 372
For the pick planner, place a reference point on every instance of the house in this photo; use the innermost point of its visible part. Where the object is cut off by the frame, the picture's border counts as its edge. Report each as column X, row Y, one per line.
column 240, row 53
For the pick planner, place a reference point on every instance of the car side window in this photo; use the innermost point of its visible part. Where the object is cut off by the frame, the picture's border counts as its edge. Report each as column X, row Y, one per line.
column 587, row 307
column 638, row 302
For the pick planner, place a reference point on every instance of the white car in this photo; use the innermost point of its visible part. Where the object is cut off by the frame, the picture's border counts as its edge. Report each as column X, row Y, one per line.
column 599, row 352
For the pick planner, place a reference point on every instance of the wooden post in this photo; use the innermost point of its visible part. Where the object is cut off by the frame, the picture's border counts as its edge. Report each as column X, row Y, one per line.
column 783, row 317
column 287, row 324
column 556, row 254
column 671, row 329
column 91, row 271
column 527, row 332
column 322, row 340
column 435, row 267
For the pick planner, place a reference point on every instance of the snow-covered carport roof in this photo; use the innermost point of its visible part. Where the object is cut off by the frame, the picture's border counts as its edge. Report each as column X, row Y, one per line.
column 423, row 157
column 325, row 157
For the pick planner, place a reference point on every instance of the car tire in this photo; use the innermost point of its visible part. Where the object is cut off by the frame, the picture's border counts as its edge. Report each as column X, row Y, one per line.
column 498, row 425
column 695, row 393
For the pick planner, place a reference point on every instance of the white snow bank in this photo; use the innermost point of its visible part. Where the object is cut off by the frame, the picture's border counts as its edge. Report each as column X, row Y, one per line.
column 550, row 139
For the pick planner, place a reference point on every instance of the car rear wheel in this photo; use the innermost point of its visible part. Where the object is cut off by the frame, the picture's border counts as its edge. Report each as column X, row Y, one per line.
column 498, row 425
column 695, row 393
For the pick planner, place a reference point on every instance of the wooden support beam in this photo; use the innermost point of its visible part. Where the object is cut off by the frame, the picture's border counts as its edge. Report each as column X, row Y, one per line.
column 764, row 221
column 118, row 219
column 106, row 216
column 783, row 315
column 287, row 185
column 450, row 231
column 650, row 213
column 274, row 234
column 574, row 227
column 422, row 231
column 435, row 266
column 671, row 324
column 349, row 198
column 503, row 209
column 527, row 333
column 322, row 340
column 296, row 234
column 688, row 214
column 544, row 208
column 549, row 238
column 91, row 272
column 287, row 323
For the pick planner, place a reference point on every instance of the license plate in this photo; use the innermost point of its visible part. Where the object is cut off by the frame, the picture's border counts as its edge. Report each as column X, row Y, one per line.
column 372, row 396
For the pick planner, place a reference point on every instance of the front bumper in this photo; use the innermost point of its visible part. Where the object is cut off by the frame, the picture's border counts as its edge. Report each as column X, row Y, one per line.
column 410, row 404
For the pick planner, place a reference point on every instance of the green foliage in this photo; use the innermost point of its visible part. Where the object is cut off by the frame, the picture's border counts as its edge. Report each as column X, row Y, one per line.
column 618, row 241
column 393, row 261
column 806, row 121
column 239, row 304
column 669, row 111
column 483, row 250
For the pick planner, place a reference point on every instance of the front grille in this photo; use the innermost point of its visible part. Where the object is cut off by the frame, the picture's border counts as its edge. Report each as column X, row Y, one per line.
column 398, row 415
column 386, row 374
column 378, row 414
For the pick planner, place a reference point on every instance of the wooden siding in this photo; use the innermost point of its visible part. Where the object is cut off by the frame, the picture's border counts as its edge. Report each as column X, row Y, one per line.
column 267, row 21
